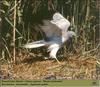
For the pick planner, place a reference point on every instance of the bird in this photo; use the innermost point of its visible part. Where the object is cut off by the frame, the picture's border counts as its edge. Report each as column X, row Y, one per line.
column 56, row 34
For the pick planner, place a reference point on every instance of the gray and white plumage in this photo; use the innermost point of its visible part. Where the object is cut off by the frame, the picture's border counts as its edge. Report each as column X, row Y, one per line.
column 56, row 32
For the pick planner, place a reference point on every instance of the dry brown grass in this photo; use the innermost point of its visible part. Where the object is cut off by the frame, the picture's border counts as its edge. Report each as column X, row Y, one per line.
column 31, row 68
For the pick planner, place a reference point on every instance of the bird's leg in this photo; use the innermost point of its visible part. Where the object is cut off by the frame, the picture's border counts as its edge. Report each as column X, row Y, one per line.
column 53, row 53
column 57, row 60
column 46, row 58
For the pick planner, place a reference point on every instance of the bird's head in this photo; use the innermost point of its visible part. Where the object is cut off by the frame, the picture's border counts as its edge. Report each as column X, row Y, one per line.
column 71, row 34
column 71, row 40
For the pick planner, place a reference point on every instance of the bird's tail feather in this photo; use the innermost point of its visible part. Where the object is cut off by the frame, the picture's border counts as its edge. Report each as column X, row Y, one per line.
column 35, row 44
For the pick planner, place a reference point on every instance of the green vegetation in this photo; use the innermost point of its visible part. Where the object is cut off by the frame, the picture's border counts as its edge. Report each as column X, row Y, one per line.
column 19, row 17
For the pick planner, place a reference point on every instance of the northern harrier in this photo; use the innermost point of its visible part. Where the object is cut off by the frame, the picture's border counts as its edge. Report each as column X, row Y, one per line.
column 56, row 32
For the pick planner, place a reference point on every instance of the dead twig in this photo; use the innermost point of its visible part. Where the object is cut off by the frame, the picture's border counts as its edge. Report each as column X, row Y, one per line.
column 86, row 52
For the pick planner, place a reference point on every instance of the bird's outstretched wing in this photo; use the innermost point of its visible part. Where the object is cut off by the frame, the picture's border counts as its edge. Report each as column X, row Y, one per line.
column 50, row 29
column 57, row 27
column 60, row 21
